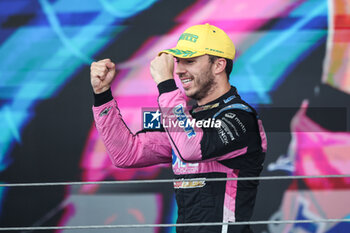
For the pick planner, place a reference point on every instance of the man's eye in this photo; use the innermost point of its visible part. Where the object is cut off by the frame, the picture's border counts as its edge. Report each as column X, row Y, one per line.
column 190, row 61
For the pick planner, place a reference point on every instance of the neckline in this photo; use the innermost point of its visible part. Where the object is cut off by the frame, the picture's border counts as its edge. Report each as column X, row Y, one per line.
column 231, row 94
column 232, row 91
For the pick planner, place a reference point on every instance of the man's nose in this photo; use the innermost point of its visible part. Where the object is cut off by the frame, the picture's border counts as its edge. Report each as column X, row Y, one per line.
column 180, row 69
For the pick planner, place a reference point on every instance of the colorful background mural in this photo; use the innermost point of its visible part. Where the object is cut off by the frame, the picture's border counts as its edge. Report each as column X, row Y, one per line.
column 293, row 58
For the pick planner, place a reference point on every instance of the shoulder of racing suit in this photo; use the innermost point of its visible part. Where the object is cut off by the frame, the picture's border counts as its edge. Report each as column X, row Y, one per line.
column 238, row 131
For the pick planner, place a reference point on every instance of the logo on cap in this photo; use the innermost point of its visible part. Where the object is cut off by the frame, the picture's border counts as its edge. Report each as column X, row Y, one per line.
column 183, row 53
column 189, row 37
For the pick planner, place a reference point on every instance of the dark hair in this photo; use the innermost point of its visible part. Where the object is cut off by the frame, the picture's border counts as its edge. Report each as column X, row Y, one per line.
column 229, row 64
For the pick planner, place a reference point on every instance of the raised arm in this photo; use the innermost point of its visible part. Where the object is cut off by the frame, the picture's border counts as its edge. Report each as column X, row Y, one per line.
column 124, row 148
column 240, row 132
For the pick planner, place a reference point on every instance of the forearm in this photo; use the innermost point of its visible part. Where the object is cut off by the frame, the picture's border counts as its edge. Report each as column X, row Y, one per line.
column 124, row 148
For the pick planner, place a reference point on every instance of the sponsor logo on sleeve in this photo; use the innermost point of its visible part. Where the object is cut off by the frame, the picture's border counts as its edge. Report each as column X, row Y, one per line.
column 105, row 111
column 184, row 121
column 228, row 122
column 230, row 115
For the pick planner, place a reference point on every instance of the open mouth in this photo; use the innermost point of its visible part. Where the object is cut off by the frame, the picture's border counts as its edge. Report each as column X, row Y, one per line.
column 184, row 81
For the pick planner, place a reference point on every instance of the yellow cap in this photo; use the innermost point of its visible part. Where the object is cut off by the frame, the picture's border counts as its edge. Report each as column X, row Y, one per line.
column 203, row 39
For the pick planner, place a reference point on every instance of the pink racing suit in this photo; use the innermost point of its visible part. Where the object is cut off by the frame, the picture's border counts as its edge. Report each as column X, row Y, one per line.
column 234, row 149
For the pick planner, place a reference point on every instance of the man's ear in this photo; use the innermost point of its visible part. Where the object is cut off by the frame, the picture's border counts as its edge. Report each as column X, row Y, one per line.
column 219, row 65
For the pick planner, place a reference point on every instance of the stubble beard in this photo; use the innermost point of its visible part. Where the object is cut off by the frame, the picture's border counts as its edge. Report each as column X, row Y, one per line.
column 205, row 85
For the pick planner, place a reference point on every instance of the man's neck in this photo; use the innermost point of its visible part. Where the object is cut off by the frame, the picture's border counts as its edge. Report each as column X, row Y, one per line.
column 219, row 91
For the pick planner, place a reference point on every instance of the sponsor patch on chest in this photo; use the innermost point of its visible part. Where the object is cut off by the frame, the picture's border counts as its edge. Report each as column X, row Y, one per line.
column 189, row 184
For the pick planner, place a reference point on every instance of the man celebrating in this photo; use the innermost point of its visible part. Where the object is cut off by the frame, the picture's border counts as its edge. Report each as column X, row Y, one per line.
column 204, row 56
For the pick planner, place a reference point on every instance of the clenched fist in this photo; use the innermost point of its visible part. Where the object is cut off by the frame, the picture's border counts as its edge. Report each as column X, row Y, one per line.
column 102, row 74
column 162, row 68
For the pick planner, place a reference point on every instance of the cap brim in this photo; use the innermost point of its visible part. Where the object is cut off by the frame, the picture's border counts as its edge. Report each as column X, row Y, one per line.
column 181, row 53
